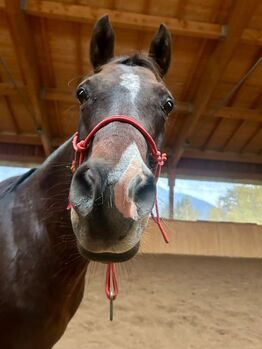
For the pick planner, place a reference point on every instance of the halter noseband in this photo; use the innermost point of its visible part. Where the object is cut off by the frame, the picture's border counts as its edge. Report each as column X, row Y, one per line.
column 81, row 147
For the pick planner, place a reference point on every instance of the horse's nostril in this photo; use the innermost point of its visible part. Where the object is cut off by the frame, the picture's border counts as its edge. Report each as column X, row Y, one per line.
column 82, row 190
column 121, row 237
column 144, row 194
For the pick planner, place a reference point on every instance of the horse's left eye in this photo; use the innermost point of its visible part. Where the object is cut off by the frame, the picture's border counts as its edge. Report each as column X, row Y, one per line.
column 82, row 94
column 168, row 106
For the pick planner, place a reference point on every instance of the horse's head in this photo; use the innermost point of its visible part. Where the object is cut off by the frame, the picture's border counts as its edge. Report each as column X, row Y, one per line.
column 112, row 193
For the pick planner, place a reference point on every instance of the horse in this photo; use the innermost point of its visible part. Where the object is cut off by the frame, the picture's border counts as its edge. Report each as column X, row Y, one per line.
column 45, row 248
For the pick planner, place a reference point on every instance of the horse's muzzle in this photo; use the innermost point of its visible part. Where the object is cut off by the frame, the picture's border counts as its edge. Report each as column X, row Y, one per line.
column 108, row 257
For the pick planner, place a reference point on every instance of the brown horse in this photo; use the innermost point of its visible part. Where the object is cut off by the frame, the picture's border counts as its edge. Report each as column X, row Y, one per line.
column 45, row 251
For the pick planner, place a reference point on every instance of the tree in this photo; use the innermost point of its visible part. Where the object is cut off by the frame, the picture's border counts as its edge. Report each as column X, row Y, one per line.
column 243, row 203
column 184, row 210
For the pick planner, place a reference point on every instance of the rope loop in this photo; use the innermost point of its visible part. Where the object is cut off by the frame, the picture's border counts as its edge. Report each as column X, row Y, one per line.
column 81, row 147
column 111, row 286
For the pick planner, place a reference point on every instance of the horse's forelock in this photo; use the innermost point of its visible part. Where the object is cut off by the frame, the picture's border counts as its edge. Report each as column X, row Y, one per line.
column 136, row 59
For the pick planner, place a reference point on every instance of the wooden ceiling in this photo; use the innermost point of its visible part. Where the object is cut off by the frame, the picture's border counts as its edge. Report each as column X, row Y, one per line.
column 216, row 77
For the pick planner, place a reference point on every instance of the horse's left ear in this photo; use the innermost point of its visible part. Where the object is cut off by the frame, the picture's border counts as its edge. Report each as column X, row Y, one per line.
column 160, row 49
column 102, row 42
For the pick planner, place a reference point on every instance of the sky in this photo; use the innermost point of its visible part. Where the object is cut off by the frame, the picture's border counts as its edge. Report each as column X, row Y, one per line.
column 6, row 171
column 208, row 191
column 203, row 190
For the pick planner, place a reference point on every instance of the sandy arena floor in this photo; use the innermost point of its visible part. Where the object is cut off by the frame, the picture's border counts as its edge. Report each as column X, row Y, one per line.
column 172, row 302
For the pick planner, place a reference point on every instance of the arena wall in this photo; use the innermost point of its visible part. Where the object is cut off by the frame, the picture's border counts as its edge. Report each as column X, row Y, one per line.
column 205, row 239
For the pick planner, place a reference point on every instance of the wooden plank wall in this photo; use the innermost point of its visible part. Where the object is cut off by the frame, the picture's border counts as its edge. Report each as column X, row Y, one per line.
column 205, row 239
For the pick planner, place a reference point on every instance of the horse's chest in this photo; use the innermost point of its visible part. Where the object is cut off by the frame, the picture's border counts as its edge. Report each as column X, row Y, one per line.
column 38, row 315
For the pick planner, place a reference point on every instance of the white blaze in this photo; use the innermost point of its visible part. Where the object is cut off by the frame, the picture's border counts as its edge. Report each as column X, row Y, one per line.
column 132, row 83
column 129, row 155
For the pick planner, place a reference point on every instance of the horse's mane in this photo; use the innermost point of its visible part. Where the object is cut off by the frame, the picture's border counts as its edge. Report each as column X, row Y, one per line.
column 10, row 184
column 137, row 59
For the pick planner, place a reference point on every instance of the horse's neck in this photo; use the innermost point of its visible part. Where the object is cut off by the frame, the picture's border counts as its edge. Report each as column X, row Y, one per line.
column 53, row 180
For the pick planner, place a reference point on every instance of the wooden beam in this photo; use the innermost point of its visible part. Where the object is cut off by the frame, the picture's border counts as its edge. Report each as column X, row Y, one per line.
column 17, row 154
column 252, row 37
column 222, row 156
column 8, row 89
column 56, row 94
column 26, row 58
column 82, row 13
column 2, row 4
column 27, row 138
column 241, row 127
column 219, row 170
column 171, row 184
column 238, row 21
column 238, row 113
column 49, row 78
column 62, row 95
column 16, row 160
column 22, row 138
column 21, row 153
column 12, row 115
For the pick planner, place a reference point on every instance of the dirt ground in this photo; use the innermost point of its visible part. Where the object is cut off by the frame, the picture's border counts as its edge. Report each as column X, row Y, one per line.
column 172, row 302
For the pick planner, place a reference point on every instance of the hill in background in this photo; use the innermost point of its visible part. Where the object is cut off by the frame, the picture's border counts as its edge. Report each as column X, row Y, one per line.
column 202, row 207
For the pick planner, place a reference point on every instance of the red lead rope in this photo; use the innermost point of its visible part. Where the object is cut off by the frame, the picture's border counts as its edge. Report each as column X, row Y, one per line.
column 80, row 147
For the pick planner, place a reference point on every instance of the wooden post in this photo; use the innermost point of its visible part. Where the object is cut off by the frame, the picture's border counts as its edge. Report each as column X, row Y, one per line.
column 171, row 184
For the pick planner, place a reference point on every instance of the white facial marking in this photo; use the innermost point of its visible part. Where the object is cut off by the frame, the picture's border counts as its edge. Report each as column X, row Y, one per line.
column 132, row 83
column 127, row 157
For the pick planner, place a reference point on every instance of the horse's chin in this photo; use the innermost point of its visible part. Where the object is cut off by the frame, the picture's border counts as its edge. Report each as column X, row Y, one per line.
column 107, row 257
column 105, row 248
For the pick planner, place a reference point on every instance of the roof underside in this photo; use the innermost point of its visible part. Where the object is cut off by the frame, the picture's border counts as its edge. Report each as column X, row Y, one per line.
column 215, row 76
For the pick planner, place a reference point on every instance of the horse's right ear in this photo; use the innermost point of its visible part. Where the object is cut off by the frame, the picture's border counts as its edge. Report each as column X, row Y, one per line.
column 102, row 42
column 160, row 49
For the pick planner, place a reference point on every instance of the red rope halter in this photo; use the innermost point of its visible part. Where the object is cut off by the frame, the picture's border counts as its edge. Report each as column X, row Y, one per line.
column 81, row 147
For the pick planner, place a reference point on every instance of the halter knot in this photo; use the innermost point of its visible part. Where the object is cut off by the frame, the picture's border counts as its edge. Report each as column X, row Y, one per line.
column 81, row 147
column 161, row 158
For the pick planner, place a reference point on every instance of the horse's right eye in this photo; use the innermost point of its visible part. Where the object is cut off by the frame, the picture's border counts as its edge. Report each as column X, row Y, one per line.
column 82, row 95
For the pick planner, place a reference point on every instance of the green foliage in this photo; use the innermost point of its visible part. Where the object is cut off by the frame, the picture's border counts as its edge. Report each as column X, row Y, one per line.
column 243, row 203
column 184, row 210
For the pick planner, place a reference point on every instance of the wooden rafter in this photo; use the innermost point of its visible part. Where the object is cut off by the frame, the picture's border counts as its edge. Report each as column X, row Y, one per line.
column 222, row 170
column 230, row 102
column 252, row 37
column 8, row 89
column 238, row 113
column 238, row 21
column 82, row 13
column 26, row 154
column 6, row 98
column 26, row 57
column 49, row 76
column 222, row 156
column 208, row 141
column 12, row 115
column 188, row 167
column 234, row 136
column 26, row 138
column 22, row 138
column 61, row 95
